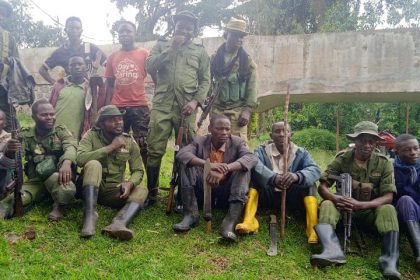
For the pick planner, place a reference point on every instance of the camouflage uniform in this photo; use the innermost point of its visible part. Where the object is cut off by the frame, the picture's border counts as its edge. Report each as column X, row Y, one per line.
column 43, row 159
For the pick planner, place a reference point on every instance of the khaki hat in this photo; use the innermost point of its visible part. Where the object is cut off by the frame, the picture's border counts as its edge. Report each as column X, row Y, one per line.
column 365, row 127
column 5, row 6
column 236, row 25
column 187, row 15
column 108, row 111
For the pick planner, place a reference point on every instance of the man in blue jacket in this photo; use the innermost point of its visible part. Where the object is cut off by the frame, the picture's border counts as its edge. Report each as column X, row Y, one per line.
column 268, row 181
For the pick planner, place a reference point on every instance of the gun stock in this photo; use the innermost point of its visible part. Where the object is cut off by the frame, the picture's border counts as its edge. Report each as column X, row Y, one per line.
column 18, row 172
column 210, row 100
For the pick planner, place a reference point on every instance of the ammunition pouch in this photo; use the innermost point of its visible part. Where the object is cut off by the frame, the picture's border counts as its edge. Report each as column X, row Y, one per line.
column 362, row 191
column 45, row 167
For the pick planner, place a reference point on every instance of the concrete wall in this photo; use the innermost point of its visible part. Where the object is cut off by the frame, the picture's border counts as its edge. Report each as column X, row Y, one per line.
column 369, row 66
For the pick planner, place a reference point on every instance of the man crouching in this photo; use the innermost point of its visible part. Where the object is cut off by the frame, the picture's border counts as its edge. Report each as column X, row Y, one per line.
column 231, row 163
column 103, row 153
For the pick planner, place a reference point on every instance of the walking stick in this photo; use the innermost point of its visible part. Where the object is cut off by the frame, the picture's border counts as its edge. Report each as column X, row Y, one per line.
column 285, row 162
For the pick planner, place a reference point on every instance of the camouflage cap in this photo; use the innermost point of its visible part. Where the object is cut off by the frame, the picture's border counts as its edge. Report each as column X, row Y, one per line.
column 6, row 7
column 236, row 25
column 187, row 15
column 365, row 127
column 108, row 111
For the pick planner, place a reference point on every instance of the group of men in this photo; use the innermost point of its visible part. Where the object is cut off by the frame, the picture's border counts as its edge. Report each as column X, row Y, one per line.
column 76, row 151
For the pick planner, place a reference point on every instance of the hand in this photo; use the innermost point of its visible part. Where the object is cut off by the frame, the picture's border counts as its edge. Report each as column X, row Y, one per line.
column 65, row 173
column 220, row 167
column 7, row 162
column 12, row 146
column 178, row 41
column 117, row 143
column 126, row 188
column 244, row 117
column 347, row 204
column 289, row 179
column 214, row 177
column 189, row 108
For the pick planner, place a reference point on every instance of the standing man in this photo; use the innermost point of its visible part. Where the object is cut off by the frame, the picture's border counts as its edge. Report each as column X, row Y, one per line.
column 8, row 48
column 373, row 189
column 268, row 181
column 407, row 179
column 73, row 47
column 234, row 75
column 50, row 153
column 231, row 164
column 181, row 67
column 125, row 74
column 103, row 153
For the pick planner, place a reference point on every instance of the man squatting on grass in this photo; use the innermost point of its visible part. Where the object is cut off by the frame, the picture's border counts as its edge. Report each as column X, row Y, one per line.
column 407, row 179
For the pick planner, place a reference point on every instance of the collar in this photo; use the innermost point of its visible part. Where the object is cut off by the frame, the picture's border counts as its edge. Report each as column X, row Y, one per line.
column 276, row 153
column 66, row 44
column 221, row 149
column 67, row 82
column 32, row 132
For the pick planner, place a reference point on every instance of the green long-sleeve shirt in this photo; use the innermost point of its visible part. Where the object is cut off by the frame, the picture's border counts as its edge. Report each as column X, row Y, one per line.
column 181, row 77
column 92, row 147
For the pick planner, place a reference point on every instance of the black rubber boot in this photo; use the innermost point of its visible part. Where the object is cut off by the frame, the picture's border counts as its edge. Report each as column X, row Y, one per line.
column 118, row 227
column 390, row 254
column 190, row 211
column 152, row 173
column 227, row 229
column 413, row 229
column 90, row 216
column 57, row 213
column 331, row 250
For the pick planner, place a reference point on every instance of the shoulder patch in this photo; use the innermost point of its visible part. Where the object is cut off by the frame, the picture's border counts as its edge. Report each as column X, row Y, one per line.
column 382, row 156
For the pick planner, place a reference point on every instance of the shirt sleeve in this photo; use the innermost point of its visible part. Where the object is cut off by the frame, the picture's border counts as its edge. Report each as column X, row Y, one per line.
column 203, row 78
column 387, row 183
column 85, row 150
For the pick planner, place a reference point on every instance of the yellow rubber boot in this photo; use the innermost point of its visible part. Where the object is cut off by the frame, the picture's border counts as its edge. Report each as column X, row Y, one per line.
column 311, row 206
column 250, row 224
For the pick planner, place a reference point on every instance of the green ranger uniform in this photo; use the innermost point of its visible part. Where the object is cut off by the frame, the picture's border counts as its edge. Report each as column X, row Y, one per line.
column 234, row 95
column 376, row 173
column 106, row 170
column 180, row 78
column 43, row 159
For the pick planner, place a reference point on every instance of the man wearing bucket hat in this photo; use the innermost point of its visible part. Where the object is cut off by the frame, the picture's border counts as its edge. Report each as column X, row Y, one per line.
column 234, row 77
column 181, row 67
column 103, row 153
column 50, row 153
column 373, row 188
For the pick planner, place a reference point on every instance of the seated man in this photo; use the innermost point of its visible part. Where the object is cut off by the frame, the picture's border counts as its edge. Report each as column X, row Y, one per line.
column 50, row 152
column 407, row 179
column 268, row 179
column 373, row 189
column 231, row 164
column 103, row 153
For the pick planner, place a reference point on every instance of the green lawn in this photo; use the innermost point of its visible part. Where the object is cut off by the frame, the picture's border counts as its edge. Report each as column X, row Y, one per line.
column 156, row 252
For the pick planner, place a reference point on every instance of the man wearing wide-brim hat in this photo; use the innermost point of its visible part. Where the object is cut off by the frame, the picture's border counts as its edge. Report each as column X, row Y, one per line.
column 234, row 79
column 181, row 68
column 373, row 188
column 103, row 154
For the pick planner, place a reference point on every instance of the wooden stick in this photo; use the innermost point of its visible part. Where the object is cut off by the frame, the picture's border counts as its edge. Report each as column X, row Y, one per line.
column 285, row 162
column 337, row 129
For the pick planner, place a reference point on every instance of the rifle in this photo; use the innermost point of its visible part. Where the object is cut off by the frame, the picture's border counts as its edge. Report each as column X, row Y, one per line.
column 175, row 169
column 285, row 163
column 18, row 172
column 345, row 183
column 210, row 100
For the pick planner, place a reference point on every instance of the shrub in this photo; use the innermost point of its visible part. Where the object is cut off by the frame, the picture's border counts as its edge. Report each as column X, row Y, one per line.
column 315, row 138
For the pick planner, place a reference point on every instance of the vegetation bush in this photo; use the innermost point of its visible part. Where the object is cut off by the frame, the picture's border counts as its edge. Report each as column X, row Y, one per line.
column 315, row 138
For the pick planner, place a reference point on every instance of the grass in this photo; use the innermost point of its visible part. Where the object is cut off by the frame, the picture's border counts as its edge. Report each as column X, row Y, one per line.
column 156, row 252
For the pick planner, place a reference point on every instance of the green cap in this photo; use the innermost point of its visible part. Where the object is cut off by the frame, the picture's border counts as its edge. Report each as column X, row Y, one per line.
column 365, row 127
column 187, row 15
column 6, row 7
column 108, row 111
column 236, row 25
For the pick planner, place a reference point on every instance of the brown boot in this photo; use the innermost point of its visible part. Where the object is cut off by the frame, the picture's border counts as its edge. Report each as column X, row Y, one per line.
column 57, row 212
column 118, row 227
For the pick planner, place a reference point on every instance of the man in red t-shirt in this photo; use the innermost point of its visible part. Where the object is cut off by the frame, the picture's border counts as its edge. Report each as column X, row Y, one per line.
column 125, row 74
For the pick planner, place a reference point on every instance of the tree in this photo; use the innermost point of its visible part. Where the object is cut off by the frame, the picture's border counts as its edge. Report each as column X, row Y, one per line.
column 29, row 33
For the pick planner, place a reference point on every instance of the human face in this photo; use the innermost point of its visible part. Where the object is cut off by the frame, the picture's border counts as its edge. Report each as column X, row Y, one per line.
column 77, row 67
column 277, row 135
column 113, row 125
column 220, row 132
column 126, row 34
column 408, row 151
column 234, row 41
column 184, row 28
column 44, row 117
column 74, row 30
column 365, row 144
